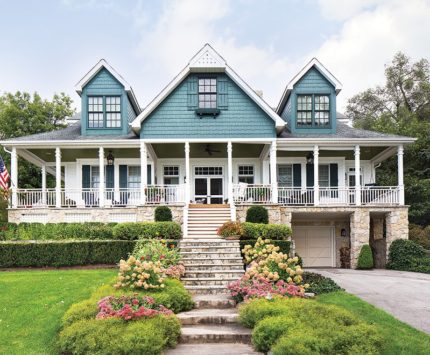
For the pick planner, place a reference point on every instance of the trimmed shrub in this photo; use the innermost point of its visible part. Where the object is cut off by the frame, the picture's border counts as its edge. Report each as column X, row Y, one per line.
column 408, row 255
column 163, row 214
column 365, row 258
column 420, row 235
column 319, row 284
column 114, row 336
column 230, row 229
column 257, row 214
column 270, row 231
column 297, row 326
column 147, row 230
column 63, row 253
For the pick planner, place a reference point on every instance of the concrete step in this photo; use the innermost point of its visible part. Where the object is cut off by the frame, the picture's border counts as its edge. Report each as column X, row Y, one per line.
column 207, row 281
column 228, row 333
column 220, row 301
column 214, row 268
column 208, row 255
column 213, row 349
column 220, row 274
column 208, row 290
column 214, row 249
column 218, row 242
column 209, row 316
column 218, row 261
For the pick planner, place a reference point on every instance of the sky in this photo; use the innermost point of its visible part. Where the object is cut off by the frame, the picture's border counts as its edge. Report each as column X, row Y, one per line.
column 48, row 46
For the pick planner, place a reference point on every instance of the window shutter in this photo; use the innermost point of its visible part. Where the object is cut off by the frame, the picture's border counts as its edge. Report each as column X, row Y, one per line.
column 333, row 175
column 192, row 94
column 110, row 176
column 297, row 175
column 148, row 173
column 309, row 175
column 86, row 179
column 222, row 93
column 123, row 173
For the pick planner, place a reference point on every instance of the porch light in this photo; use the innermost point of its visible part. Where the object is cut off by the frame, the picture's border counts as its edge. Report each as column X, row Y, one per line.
column 343, row 232
column 310, row 158
column 110, row 158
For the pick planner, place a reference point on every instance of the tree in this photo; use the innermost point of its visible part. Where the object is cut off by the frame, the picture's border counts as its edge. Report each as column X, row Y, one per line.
column 23, row 114
column 401, row 106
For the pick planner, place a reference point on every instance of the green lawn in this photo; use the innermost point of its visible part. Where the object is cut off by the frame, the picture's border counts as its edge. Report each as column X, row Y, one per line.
column 33, row 302
column 399, row 337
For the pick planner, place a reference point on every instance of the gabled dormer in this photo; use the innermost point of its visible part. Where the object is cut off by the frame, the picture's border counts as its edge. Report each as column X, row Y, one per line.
column 308, row 104
column 108, row 102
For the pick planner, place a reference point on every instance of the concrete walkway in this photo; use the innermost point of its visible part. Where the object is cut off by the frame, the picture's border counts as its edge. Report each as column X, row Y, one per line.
column 406, row 295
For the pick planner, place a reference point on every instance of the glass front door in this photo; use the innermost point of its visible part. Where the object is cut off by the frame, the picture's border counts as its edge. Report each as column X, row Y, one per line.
column 208, row 190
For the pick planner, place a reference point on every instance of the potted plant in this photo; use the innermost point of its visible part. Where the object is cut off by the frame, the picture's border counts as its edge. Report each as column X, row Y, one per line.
column 230, row 231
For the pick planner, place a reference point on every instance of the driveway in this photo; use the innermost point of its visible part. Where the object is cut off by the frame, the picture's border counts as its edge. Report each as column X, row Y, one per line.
column 406, row 295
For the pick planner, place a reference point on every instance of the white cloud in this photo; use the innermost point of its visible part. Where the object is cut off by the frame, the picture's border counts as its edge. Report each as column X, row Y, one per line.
column 369, row 39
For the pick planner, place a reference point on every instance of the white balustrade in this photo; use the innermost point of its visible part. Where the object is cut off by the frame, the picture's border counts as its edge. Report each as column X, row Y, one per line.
column 247, row 193
column 296, row 196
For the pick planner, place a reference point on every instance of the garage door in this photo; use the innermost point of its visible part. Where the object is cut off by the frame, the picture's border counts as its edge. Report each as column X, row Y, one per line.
column 315, row 245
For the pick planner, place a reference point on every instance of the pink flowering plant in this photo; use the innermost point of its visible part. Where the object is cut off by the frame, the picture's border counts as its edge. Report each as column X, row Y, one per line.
column 175, row 271
column 157, row 250
column 269, row 272
column 130, row 307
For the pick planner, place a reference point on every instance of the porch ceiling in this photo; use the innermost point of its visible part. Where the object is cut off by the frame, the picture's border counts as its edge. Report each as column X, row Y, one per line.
column 366, row 153
column 198, row 150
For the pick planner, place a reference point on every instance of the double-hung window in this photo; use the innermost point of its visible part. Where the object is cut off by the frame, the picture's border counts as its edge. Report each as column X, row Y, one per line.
column 133, row 179
column 171, row 175
column 313, row 110
column 324, row 175
column 207, row 93
column 104, row 112
column 246, row 174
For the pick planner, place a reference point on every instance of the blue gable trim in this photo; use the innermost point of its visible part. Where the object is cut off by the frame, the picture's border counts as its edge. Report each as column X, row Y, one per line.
column 313, row 82
column 174, row 117
column 105, row 84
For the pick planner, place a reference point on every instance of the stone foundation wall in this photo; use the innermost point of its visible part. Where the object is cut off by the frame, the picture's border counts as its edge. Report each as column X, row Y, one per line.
column 397, row 226
column 277, row 214
column 104, row 215
column 360, row 228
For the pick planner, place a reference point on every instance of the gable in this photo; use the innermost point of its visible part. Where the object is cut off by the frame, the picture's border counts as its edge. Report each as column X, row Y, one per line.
column 242, row 118
column 314, row 81
column 103, row 82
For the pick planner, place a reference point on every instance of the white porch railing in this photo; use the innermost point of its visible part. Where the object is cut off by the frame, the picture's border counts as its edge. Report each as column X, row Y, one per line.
column 155, row 194
column 247, row 193
column 375, row 195
column 295, row 196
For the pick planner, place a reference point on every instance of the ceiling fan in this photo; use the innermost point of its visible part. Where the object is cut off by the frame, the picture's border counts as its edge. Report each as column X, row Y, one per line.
column 210, row 151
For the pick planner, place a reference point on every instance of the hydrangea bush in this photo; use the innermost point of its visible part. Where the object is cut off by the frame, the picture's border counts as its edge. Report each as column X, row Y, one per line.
column 156, row 250
column 129, row 308
column 269, row 272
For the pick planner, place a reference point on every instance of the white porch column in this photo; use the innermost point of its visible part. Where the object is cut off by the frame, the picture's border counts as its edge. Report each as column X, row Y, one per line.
column 316, row 176
column 102, row 177
column 57, row 177
column 187, row 188
column 44, row 184
column 400, row 175
column 357, row 175
column 143, row 172
column 273, row 177
column 14, row 176
column 230, row 180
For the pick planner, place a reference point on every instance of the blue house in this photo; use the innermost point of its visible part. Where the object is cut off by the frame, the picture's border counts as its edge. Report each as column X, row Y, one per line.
column 210, row 147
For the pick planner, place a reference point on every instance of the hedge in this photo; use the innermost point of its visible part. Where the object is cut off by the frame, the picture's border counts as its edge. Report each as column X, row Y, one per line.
column 133, row 231
column 257, row 214
column 284, row 245
column 408, row 255
column 271, row 231
column 89, row 230
column 64, row 253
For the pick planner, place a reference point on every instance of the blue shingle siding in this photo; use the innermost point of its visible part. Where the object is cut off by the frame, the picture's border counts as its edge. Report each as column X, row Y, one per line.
column 173, row 118
column 105, row 84
column 131, row 115
column 313, row 82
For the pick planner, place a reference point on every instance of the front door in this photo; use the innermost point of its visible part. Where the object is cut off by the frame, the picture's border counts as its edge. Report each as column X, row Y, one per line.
column 208, row 190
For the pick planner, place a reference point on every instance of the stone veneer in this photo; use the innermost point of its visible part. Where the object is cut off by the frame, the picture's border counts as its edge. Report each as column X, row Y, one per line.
column 88, row 214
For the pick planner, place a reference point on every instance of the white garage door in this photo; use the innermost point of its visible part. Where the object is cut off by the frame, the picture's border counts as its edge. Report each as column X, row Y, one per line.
column 315, row 245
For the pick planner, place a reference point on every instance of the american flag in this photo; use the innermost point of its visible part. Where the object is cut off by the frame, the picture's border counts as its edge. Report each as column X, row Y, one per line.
column 4, row 175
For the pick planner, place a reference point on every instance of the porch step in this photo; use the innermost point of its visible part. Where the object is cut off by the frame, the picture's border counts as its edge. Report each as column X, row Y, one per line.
column 209, row 281
column 209, row 255
column 221, row 301
column 209, row 242
column 231, row 267
column 214, row 274
column 213, row 249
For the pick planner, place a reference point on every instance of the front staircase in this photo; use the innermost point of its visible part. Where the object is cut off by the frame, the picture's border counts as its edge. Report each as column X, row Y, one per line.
column 204, row 220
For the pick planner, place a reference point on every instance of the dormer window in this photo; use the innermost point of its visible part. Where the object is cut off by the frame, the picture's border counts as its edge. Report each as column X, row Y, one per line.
column 313, row 110
column 104, row 111
column 207, row 93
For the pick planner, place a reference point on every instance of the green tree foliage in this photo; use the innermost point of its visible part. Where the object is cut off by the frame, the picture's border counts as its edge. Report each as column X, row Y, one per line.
column 23, row 114
column 401, row 106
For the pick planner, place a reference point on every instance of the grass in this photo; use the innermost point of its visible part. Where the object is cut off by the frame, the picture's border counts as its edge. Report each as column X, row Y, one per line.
column 399, row 337
column 33, row 302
